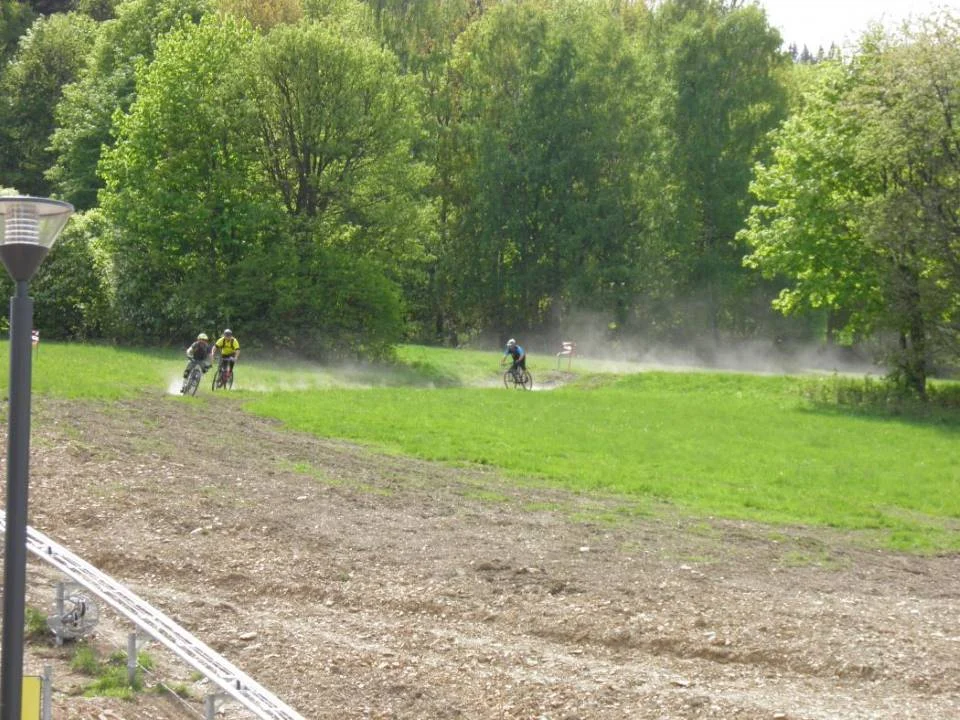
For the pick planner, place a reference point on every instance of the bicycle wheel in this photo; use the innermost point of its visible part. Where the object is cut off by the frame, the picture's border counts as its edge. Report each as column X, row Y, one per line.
column 217, row 379
column 229, row 382
column 526, row 381
column 193, row 382
column 508, row 380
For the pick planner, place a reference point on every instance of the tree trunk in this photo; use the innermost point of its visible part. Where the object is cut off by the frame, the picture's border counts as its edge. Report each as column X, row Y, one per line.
column 913, row 338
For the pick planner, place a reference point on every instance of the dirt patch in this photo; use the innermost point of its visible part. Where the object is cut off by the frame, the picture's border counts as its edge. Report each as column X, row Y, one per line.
column 360, row 585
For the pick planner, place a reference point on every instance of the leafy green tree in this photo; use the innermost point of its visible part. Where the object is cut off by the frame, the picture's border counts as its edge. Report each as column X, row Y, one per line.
column 725, row 65
column 71, row 290
column 15, row 18
column 555, row 184
column 906, row 99
column 264, row 14
column 803, row 226
column 204, row 233
column 99, row 10
column 345, row 171
column 107, row 84
column 422, row 35
column 51, row 54
column 337, row 127
column 859, row 210
column 183, row 184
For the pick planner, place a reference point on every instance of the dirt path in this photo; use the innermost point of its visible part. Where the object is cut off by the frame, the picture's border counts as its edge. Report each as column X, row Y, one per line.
column 358, row 585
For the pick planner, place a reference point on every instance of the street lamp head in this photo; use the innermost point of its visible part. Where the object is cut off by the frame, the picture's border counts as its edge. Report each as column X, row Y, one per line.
column 28, row 228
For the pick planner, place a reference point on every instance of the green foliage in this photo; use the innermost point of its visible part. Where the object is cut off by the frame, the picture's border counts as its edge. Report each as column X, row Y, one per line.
column 71, row 289
column 110, row 677
column 802, row 225
column 322, row 302
column 344, row 170
column 264, row 14
column 50, row 55
column 85, row 114
column 181, row 184
column 858, row 211
column 725, row 68
column 885, row 397
column 552, row 176
column 443, row 170
column 35, row 622
column 99, row 10
column 112, row 681
column 85, row 660
column 181, row 690
column 15, row 18
column 144, row 660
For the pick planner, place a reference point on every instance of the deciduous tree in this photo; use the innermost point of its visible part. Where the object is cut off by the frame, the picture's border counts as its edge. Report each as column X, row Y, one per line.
column 50, row 55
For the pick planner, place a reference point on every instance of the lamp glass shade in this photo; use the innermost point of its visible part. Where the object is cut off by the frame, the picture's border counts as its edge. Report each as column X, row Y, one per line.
column 28, row 228
column 36, row 221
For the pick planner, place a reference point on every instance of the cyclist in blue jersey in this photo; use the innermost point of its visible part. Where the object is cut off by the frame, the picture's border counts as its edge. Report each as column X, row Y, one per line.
column 516, row 353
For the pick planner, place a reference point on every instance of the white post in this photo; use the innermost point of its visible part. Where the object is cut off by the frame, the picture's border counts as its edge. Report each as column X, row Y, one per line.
column 132, row 659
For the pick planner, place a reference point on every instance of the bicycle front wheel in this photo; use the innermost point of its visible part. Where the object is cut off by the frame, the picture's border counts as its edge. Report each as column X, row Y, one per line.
column 508, row 380
column 193, row 382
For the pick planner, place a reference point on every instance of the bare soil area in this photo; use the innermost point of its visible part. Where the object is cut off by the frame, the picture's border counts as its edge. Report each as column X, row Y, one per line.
column 355, row 584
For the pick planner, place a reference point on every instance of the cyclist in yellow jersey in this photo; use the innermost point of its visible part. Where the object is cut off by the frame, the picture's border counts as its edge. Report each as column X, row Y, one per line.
column 229, row 348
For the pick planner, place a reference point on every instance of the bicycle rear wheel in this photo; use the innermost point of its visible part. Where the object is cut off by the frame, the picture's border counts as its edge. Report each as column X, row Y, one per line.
column 527, row 381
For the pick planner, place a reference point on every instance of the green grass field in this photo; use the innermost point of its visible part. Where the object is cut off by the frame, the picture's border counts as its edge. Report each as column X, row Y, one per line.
column 707, row 444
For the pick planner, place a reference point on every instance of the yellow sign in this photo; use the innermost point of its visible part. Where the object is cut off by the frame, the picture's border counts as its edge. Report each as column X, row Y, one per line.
column 32, row 694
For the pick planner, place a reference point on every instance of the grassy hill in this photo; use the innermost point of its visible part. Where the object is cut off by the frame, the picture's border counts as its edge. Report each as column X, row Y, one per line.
column 700, row 443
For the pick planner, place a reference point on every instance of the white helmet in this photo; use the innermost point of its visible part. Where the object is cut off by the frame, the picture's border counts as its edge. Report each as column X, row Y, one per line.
column 511, row 343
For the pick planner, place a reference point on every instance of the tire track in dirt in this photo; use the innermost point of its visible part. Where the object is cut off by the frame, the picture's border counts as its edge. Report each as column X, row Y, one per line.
column 360, row 585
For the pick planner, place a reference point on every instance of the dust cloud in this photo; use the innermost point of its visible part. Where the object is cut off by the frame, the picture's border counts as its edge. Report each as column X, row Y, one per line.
column 598, row 342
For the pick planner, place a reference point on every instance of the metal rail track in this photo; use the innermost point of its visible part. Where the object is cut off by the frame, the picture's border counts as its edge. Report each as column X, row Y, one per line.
column 154, row 623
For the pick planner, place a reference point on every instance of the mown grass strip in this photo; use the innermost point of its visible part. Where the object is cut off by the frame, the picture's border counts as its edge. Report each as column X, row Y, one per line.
column 75, row 370
column 715, row 444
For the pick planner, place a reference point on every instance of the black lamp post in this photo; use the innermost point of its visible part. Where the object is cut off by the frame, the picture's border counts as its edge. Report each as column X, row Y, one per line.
column 28, row 228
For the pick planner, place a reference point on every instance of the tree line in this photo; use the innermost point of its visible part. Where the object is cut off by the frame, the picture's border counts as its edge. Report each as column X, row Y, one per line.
column 337, row 176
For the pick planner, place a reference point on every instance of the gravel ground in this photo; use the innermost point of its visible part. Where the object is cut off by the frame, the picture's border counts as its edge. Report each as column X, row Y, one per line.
column 355, row 584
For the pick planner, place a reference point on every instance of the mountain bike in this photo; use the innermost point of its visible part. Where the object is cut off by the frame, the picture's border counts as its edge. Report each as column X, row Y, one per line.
column 223, row 377
column 518, row 379
column 192, row 382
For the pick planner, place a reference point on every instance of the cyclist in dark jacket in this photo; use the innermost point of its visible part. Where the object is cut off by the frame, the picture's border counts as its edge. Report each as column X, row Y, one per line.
column 516, row 353
column 199, row 352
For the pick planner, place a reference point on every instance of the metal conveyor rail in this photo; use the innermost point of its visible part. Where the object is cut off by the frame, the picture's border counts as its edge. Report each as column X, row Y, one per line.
column 151, row 621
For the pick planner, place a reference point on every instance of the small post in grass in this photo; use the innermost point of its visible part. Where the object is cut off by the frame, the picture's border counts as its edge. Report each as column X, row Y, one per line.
column 567, row 350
